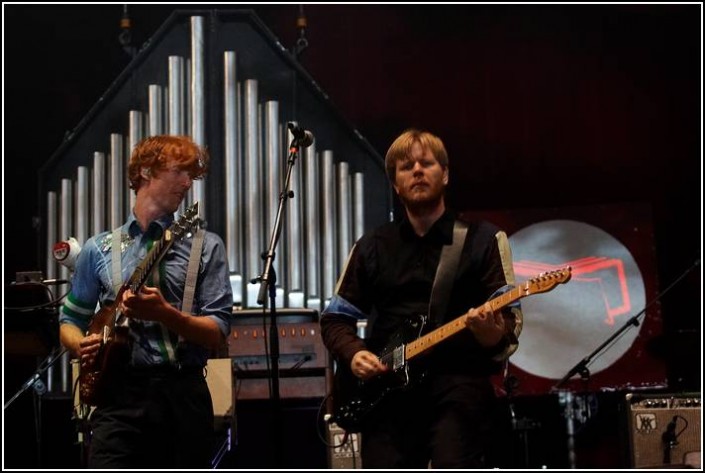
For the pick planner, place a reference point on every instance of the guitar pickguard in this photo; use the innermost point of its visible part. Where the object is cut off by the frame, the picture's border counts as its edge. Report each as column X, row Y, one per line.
column 367, row 394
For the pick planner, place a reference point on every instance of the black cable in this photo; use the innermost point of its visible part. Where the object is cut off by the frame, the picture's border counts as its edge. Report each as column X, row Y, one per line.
column 53, row 302
column 319, row 416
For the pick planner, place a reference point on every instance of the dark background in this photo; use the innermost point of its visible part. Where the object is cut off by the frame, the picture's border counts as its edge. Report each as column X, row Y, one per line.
column 540, row 106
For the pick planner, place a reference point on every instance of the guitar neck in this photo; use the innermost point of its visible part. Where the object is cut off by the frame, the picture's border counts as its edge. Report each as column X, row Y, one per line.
column 145, row 268
column 424, row 343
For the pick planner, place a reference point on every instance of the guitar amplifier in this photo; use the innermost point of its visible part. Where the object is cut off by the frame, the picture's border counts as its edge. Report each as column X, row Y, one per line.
column 219, row 376
column 303, row 359
column 663, row 429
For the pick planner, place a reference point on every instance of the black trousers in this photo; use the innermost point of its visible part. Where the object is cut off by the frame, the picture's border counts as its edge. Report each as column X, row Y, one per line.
column 448, row 420
column 154, row 419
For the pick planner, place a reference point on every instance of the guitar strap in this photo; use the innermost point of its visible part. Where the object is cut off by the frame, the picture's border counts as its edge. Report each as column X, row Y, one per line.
column 192, row 274
column 445, row 274
column 117, row 259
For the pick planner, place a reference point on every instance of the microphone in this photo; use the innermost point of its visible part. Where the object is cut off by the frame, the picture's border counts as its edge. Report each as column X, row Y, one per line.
column 66, row 252
column 303, row 137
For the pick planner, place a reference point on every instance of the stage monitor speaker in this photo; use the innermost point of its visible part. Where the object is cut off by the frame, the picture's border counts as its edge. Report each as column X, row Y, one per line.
column 664, row 430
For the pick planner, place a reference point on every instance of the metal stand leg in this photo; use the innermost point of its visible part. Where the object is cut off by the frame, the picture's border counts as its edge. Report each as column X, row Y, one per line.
column 574, row 409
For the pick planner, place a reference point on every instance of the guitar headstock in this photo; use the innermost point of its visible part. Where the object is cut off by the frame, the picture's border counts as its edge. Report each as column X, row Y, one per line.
column 186, row 222
column 544, row 282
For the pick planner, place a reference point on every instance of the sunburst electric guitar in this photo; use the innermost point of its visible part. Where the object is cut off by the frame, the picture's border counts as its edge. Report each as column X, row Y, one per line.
column 354, row 398
column 112, row 324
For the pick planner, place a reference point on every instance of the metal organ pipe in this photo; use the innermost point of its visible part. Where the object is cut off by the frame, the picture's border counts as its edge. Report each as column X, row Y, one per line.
column 344, row 214
column 135, row 136
column 272, row 183
column 117, row 180
column 156, row 110
column 252, row 190
column 66, row 229
column 198, row 104
column 52, row 234
column 358, row 193
column 99, row 193
column 83, row 215
column 233, row 173
column 328, row 228
column 186, row 109
column 312, row 224
column 176, row 116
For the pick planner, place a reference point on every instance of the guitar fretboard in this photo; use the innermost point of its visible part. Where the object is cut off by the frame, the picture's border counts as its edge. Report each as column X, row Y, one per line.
column 161, row 247
column 436, row 336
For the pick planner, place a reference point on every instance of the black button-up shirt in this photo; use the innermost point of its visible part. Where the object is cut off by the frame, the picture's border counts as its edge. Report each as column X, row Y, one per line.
column 388, row 280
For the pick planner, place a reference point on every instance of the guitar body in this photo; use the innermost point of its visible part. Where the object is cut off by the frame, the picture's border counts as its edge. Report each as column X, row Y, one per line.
column 112, row 356
column 354, row 398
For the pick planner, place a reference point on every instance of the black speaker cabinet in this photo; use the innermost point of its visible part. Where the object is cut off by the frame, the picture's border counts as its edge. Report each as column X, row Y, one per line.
column 664, row 430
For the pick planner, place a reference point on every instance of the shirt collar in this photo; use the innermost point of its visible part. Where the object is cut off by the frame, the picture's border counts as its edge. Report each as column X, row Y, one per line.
column 156, row 227
column 441, row 231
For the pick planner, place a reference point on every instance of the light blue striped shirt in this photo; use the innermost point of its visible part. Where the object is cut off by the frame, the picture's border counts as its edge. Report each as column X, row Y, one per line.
column 92, row 283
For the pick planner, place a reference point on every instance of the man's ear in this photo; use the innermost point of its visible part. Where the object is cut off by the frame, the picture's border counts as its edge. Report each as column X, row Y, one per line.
column 145, row 173
column 445, row 177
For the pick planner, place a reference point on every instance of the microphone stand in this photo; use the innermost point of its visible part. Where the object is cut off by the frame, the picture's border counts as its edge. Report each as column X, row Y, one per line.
column 35, row 380
column 40, row 389
column 582, row 366
column 268, row 280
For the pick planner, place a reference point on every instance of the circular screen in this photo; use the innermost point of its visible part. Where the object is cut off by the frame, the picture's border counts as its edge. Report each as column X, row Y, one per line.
column 565, row 325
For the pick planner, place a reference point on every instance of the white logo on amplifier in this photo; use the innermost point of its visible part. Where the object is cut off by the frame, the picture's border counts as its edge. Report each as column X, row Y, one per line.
column 645, row 423
column 347, row 449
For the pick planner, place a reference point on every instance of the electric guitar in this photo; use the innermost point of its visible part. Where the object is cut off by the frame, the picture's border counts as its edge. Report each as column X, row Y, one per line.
column 112, row 324
column 354, row 398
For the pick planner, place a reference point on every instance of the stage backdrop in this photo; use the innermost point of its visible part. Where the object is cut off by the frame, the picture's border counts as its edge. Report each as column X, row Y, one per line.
column 610, row 249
